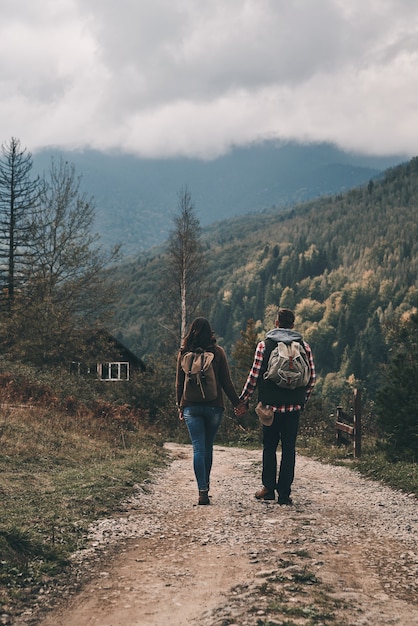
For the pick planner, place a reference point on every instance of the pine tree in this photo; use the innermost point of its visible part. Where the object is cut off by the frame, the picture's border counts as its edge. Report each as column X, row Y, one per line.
column 19, row 202
column 397, row 398
column 243, row 351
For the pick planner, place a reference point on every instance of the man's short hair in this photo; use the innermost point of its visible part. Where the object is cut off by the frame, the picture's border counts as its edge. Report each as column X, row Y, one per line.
column 286, row 318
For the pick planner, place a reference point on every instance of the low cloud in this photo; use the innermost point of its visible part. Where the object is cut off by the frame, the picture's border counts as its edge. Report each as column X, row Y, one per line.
column 163, row 78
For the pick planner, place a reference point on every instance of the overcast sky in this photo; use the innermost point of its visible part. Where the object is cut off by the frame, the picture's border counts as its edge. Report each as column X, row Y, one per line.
column 193, row 77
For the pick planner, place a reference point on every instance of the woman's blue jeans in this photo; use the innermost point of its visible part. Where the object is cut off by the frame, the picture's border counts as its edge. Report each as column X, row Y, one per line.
column 202, row 423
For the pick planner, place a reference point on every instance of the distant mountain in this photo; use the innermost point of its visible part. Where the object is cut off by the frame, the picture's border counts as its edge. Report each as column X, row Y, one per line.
column 136, row 197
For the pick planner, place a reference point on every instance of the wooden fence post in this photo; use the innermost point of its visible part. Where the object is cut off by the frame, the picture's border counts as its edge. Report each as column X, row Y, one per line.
column 357, row 423
column 339, row 421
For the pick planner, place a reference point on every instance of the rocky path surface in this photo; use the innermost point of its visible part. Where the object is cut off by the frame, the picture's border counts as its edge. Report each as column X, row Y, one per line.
column 346, row 553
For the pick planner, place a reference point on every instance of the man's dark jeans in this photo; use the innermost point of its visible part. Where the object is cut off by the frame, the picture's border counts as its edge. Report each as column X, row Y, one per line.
column 284, row 429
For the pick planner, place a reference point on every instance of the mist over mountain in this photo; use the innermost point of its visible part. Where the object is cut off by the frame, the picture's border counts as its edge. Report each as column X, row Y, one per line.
column 136, row 198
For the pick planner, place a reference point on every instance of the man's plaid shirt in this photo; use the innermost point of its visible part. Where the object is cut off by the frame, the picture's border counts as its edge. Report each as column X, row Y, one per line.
column 252, row 379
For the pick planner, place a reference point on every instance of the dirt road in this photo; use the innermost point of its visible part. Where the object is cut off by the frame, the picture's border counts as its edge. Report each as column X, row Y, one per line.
column 346, row 553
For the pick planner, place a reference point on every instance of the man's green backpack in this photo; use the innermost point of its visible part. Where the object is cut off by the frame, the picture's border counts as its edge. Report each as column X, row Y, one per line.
column 199, row 376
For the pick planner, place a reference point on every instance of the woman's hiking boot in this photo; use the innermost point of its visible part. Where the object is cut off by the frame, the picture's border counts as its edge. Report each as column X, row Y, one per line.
column 203, row 496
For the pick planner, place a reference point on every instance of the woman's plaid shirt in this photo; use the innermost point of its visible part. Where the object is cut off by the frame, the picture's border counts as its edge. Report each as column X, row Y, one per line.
column 252, row 379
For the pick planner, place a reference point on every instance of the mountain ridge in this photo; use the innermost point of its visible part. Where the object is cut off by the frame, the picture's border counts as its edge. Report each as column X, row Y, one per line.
column 135, row 197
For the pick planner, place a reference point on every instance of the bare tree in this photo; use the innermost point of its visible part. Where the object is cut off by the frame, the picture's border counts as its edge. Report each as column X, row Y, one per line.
column 19, row 200
column 67, row 289
column 183, row 280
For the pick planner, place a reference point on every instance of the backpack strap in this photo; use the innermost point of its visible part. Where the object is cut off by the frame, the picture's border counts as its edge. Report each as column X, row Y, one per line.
column 189, row 368
column 202, row 364
column 270, row 344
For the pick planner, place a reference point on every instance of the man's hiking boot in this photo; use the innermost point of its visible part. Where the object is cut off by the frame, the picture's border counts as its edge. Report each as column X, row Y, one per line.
column 265, row 494
column 203, row 497
column 285, row 500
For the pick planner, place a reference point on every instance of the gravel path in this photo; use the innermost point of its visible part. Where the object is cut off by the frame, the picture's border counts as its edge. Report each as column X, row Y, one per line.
column 346, row 553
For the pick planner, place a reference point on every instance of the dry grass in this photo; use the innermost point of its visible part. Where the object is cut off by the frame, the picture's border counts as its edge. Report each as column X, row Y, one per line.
column 61, row 466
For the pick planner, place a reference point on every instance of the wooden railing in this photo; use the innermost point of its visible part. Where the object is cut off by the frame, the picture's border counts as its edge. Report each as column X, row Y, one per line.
column 349, row 426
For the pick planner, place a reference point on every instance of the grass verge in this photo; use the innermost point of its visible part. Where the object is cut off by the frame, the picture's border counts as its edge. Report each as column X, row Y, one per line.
column 58, row 473
column 373, row 463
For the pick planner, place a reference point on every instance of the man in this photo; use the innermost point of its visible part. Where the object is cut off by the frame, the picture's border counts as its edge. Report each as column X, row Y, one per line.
column 286, row 404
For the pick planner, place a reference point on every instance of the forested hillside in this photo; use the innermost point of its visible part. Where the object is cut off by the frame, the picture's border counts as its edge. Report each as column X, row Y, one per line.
column 347, row 264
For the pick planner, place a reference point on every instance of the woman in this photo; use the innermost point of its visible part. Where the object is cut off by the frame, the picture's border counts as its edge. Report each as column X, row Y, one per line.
column 203, row 418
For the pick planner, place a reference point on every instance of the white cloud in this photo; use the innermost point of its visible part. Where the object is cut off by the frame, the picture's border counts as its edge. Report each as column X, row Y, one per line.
column 166, row 77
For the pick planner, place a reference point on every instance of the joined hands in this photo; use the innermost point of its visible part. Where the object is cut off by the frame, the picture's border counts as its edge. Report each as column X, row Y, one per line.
column 241, row 409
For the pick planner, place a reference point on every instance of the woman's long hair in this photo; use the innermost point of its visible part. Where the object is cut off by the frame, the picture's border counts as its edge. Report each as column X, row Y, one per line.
column 200, row 335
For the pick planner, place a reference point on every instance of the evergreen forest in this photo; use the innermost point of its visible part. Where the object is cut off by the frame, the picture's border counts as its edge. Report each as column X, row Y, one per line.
column 346, row 264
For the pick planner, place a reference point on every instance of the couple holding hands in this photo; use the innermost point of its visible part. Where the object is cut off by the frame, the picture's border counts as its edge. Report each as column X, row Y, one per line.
column 284, row 406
